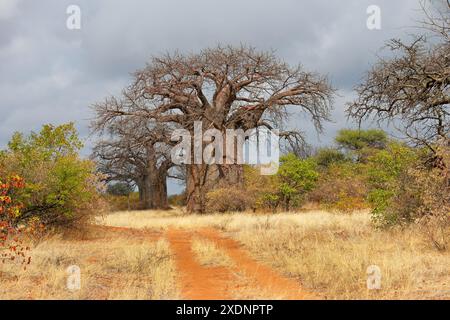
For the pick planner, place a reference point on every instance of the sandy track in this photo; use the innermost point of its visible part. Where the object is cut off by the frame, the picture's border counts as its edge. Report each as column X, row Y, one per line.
column 199, row 282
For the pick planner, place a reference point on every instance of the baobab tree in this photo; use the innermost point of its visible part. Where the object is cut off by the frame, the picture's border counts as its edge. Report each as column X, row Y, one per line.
column 222, row 88
column 136, row 153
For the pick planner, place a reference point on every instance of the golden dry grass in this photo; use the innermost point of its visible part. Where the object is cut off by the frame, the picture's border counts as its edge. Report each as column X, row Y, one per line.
column 162, row 220
column 119, row 266
column 332, row 260
column 328, row 252
column 208, row 253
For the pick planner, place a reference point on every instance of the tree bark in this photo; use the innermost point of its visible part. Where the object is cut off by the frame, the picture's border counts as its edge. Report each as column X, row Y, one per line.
column 153, row 190
column 195, row 188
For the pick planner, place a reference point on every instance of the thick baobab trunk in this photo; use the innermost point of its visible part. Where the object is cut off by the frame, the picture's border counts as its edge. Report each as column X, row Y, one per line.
column 153, row 190
column 195, row 188
column 159, row 191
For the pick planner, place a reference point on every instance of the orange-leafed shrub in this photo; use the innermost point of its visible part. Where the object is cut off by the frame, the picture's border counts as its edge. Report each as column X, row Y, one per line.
column 12, row 245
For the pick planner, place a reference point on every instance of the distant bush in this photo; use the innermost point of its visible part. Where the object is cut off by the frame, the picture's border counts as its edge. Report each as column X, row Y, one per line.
column 61, row 188
column 119, row 189
column 177, row 200
column 228, row 199
column 122, row 202
column 325, row 157
column 121, row 196
column 262, row 190
column 295, row 177
column 341, row 187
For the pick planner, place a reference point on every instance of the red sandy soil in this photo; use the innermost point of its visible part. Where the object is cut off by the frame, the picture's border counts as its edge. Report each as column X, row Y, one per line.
column 211, row 283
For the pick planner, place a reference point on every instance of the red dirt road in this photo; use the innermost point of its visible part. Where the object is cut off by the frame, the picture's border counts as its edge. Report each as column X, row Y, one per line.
column 197, row 282
column 213, row 283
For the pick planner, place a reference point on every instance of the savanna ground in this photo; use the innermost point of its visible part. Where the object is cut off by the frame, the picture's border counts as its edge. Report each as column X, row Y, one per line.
column 171, row 255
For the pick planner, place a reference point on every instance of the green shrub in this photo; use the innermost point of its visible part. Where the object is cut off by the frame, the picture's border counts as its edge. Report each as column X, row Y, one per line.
column 61, row 188
column 387, row 176
column 296, row 177
column 341, row 187
column 177, row 200
column 325, row 157
column 119, row 189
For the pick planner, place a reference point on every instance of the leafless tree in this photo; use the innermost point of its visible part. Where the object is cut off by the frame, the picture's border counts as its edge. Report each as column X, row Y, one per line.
column 224, row 88
column 136, row 152
column 412, row 88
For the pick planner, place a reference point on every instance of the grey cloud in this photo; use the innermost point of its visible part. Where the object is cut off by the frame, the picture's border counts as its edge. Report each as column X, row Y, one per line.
column 49, row 74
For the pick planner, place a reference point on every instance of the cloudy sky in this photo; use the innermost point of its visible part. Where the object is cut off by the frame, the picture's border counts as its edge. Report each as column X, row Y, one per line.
column 50, row 74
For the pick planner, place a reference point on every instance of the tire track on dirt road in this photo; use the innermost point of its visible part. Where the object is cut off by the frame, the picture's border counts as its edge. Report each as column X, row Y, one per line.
column 263, row 276
column 199, row 282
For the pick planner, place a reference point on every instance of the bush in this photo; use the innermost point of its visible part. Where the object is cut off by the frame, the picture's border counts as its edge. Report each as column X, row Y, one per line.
column 296, row 177
column 341, row 187
column 12, row 246
column 119, row 189
column 61, row 188
column 228, row 199
column 122, row 203
column 262, row 190
column 177, row 200
column 325, row 157
column 289, row 186
column 387, row 177
column 426, row 194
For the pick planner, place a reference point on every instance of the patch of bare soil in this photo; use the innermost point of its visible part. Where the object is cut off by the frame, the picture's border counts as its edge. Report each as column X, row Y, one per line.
column 247, row 278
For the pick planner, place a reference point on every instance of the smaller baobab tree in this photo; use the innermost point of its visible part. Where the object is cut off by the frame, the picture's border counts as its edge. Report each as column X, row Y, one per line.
column 136, row 153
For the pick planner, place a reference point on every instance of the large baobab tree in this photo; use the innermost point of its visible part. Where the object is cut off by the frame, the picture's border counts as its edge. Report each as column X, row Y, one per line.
column 412, row 88
column 135, row 152
column 223, row 88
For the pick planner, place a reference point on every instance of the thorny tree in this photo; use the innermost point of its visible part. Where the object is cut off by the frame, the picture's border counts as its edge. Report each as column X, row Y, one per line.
column 412, row 89
column 224, row 88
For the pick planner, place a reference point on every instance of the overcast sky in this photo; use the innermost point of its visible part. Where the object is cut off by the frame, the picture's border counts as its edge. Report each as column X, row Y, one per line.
column 50, row 74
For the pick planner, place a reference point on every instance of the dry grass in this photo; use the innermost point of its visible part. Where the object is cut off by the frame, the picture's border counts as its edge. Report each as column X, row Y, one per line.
column 120, row 266
column 328, row 252
column 209, row 254
column 332, row 260
column 162, row 220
